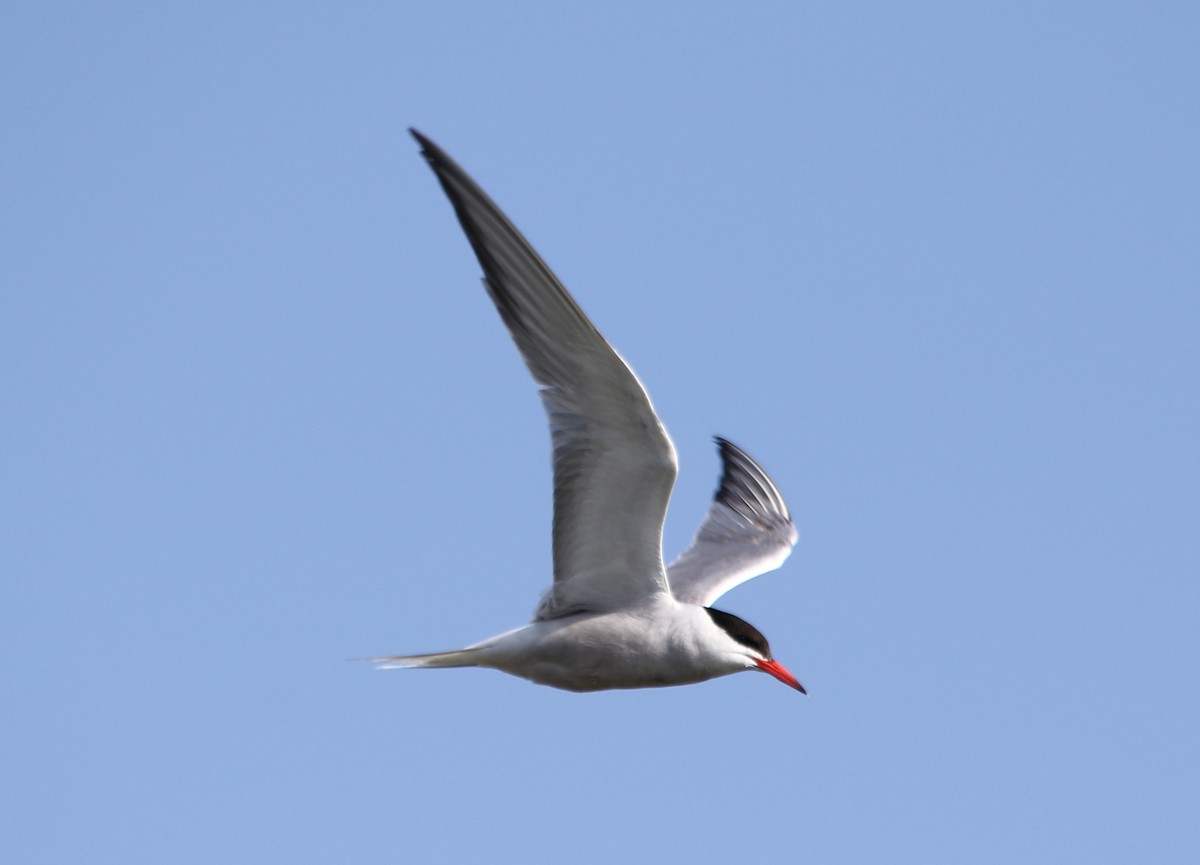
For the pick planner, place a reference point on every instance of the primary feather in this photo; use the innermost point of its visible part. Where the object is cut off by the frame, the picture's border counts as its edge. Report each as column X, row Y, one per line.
column 748, row 531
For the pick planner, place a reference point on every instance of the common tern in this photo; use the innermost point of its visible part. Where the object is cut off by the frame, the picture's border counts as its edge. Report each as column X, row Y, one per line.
column 615, row 617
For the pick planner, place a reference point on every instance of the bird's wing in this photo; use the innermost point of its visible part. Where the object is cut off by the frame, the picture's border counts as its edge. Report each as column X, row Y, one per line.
column 614, row 464
column 748, row 531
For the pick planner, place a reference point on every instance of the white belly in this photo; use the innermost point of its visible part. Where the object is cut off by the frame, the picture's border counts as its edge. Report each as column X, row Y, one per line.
column 644, row 648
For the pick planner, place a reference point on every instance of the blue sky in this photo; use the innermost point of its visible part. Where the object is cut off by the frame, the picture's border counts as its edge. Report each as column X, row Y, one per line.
column 933, row 264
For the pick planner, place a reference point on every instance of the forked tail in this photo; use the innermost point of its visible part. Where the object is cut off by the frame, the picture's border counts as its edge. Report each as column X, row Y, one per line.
column 461, row 658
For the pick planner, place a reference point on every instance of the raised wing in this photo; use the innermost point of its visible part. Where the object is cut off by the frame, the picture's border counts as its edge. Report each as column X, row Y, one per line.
column 614, row 464
column 748, row 531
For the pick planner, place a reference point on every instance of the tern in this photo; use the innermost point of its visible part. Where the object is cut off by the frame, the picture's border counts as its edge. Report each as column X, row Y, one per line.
column 615, row 616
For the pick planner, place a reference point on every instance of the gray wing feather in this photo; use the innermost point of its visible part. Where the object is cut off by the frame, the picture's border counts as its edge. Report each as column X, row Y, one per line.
column 614, row 464
column 748, row 531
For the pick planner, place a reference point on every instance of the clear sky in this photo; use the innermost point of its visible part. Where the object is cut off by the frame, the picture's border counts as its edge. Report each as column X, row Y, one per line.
column 935, row 265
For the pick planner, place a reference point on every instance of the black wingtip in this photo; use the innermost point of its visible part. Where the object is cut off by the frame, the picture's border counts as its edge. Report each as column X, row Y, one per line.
column 428, row 149
column 443, row 166
column 745, row 486
column 728, row 447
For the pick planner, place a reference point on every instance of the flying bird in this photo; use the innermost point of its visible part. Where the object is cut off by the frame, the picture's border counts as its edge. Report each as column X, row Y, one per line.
column 615, row 616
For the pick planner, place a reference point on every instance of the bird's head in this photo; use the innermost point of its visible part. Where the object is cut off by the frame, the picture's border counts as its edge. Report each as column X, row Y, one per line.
column 753, row 646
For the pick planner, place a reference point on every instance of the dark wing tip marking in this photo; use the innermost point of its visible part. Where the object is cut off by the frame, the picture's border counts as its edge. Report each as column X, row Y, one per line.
column 473, row 208
column 746, row 489
column 432, row 153
column 513, row 270
column 425, row 143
